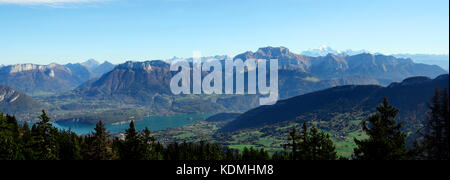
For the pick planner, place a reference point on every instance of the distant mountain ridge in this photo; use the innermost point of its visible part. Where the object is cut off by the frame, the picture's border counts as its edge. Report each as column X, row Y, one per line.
column 102, row 69
column 442, row 60
column 97, row 69
column 335, row 66
column 325, row 50
column 90, row 63
column 36, row 79
column 54, row 78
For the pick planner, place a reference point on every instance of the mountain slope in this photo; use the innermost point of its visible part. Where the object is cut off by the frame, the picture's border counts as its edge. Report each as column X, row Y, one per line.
column 138, row 79
column 148, row 84
column 43, row 79
column 38, row 80
column 441, row 60
column 90, row 64
column 286, row 59
column 410, row 96
column 96, row 69
column 13, row 102
column 102, row 69
column 80, row 73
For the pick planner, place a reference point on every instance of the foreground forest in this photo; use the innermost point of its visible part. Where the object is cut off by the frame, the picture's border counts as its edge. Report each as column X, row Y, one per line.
column 386, row 141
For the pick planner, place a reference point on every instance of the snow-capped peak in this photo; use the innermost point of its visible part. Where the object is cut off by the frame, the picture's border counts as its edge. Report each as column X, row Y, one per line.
column 321, row 51
column 325, row 50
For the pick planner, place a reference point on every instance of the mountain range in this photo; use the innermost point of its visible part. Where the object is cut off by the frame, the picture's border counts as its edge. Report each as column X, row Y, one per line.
column 49, row 79
column 325, row 50
column 441, row 60
column 333, row 66
column 324, row 71
column 91, row 89
column 141, row 82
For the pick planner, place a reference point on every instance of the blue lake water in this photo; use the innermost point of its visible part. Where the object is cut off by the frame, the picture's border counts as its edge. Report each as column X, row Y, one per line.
column 154, row 123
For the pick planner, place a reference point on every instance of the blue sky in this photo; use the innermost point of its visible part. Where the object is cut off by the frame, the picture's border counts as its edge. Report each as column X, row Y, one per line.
column 44, row 31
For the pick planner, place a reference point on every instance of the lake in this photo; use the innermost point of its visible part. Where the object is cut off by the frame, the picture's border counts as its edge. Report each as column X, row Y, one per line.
column 154, row 123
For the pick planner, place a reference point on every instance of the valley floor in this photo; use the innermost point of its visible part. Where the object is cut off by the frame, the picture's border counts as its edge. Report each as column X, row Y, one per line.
column 270, row 138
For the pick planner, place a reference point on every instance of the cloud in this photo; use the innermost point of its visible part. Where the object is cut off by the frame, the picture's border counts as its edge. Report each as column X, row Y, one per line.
column 45, row 2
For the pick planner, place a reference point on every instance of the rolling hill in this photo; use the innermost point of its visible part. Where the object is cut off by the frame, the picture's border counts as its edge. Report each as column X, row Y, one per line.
column 409, row 96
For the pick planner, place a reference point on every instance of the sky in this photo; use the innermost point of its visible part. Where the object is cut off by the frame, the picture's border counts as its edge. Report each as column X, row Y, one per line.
column 62, row 31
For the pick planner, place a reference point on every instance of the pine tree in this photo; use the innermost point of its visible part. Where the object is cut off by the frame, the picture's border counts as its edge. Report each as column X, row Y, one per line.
column 310, row 144
column 293, row 138
column 386, row 140
column 321, row 145
column 69, row 146
column 148, row 146
column 26, row 142
column 436, row 141
column 98, row 144
column 263, row 155
column 303, row 140
column 132, row 147
column 44, row 142
column 9, row 145
column 246, row 154
column 277, row 156
column 229, row 154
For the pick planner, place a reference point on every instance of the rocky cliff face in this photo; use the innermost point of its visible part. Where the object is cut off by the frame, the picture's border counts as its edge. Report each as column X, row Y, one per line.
column 341, row 65
column 36, row 79
column 41, row 79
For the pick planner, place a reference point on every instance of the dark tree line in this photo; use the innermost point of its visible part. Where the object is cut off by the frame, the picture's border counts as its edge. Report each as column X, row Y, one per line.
column 308, row 144
column 386, row 141
column 44, row 142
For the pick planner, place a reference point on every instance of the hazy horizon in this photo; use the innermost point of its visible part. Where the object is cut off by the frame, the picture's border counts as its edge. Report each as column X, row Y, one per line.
column 68, row 61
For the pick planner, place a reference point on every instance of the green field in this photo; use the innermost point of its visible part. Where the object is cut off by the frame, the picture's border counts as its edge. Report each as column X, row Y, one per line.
column 271, row 138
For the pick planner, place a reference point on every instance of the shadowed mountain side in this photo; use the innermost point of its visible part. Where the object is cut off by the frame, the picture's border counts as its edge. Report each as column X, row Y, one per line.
column 222, row 117
column 15, row 102
column 409, row 96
